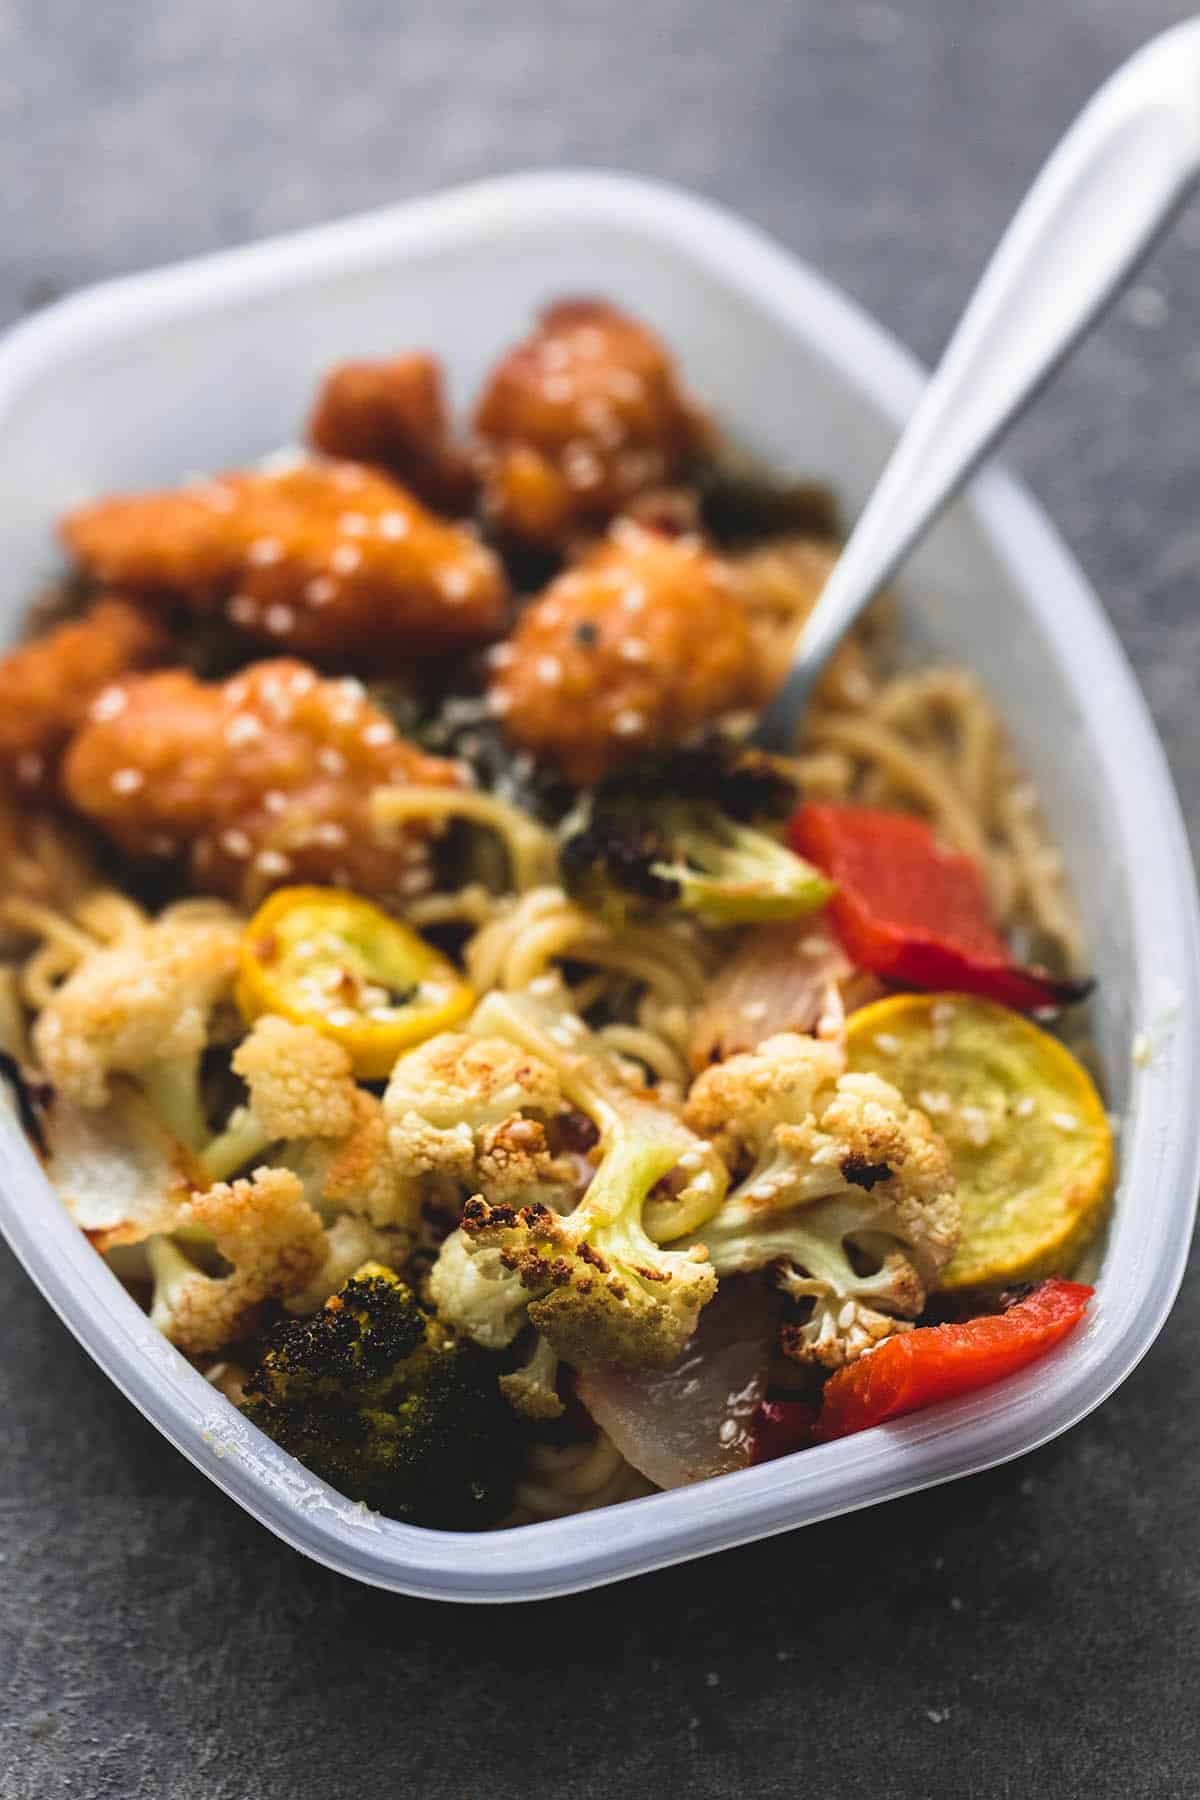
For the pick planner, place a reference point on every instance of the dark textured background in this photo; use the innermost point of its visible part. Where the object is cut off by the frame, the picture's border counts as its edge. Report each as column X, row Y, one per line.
column 1030, row 1632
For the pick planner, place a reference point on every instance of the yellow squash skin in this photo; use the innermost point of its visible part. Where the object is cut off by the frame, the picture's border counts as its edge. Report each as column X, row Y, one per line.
column 325, row 958
column 1028, row 1132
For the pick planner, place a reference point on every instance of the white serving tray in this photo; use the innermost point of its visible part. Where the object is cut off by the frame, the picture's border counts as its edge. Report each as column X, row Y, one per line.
column 211, row 363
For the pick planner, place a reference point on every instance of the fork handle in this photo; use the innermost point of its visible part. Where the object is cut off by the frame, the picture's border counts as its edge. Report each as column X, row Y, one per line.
column 1104, row 194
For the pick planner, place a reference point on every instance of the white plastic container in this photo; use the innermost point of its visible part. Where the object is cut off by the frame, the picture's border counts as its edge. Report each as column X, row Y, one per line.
column 203, row 366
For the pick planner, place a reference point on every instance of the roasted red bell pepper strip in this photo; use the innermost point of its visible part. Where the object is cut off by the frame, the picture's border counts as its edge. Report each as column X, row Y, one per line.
column 940, row 1362
column 781, row 1426
column 915, row 914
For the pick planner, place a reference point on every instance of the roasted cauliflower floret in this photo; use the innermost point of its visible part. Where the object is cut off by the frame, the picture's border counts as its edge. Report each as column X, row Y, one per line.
column 261, row 779
column 393, row 414
column 306, row 1109
column 640, row 644
column 849, row 1192
column 584, row 414
column 597, row 1286
column 474, row 1110
column 330, row 560
column 142, row 1008
column 47, row 686
column 349, row 1242
column 300, row 1086
column 266, row 1230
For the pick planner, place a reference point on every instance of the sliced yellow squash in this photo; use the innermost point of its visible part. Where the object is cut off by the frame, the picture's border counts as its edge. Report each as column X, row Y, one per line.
column 1030, row 1139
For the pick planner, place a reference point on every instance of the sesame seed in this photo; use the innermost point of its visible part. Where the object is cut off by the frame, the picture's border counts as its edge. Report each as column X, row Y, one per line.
column 455, row 584
column 108, row 704
column 273, row 862
column 1025, row 1107
column 302, row 681
column 1064, row 1121
column 218, row 499
column 235, row 843
column 633, row 650
column 162, row 844
column 499, row 656
column 275, row 801
column 352, row 688
column 332, row 835
column 549, row 670
column 320, row 590
column 633, row 600
column 378, row 733
column 582, row 467
column 629, row 722
column 597, row 414
column 499, row 703
column 127, row 781
column 588, row 341
column 331, row 761
column 243, row 728
column 888, row 1043
column 754, row 1010
column 345, row 559
column 975, row 1124
column 279, row 619
column 415, row 880
column 558, row 389
column 623, row 384
column 549, row 612
column 349, row 477
column 242, row 609
column 394, row 525
column 342, row 1016
column 282, row 462
column 353, row 524
column 264, row 551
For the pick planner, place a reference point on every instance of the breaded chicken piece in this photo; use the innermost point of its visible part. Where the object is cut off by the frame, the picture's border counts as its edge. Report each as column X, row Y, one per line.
column 584, row 414
column 329, row 560
column 642, row 642
column 47, row 686
column 393, row 415
column 262, row 779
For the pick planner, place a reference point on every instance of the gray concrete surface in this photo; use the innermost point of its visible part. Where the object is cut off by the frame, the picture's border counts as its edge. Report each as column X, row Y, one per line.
column 1031, row 1632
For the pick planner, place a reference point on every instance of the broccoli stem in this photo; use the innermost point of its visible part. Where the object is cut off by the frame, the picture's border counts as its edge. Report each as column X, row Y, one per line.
column 736, row 875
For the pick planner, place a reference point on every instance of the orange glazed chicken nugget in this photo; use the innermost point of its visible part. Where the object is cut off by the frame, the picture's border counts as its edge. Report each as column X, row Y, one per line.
column 580, row 417
column 641, row 643
column 262, row 779
column 47, row 686
column 328, row 559
column 393, row 414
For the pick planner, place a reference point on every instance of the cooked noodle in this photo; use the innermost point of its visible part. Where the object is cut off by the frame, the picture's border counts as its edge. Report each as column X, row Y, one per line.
column 574, row 1478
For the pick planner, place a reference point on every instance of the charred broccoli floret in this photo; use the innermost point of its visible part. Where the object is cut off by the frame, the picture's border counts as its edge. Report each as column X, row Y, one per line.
column 680, row 830
column 380, row 1399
